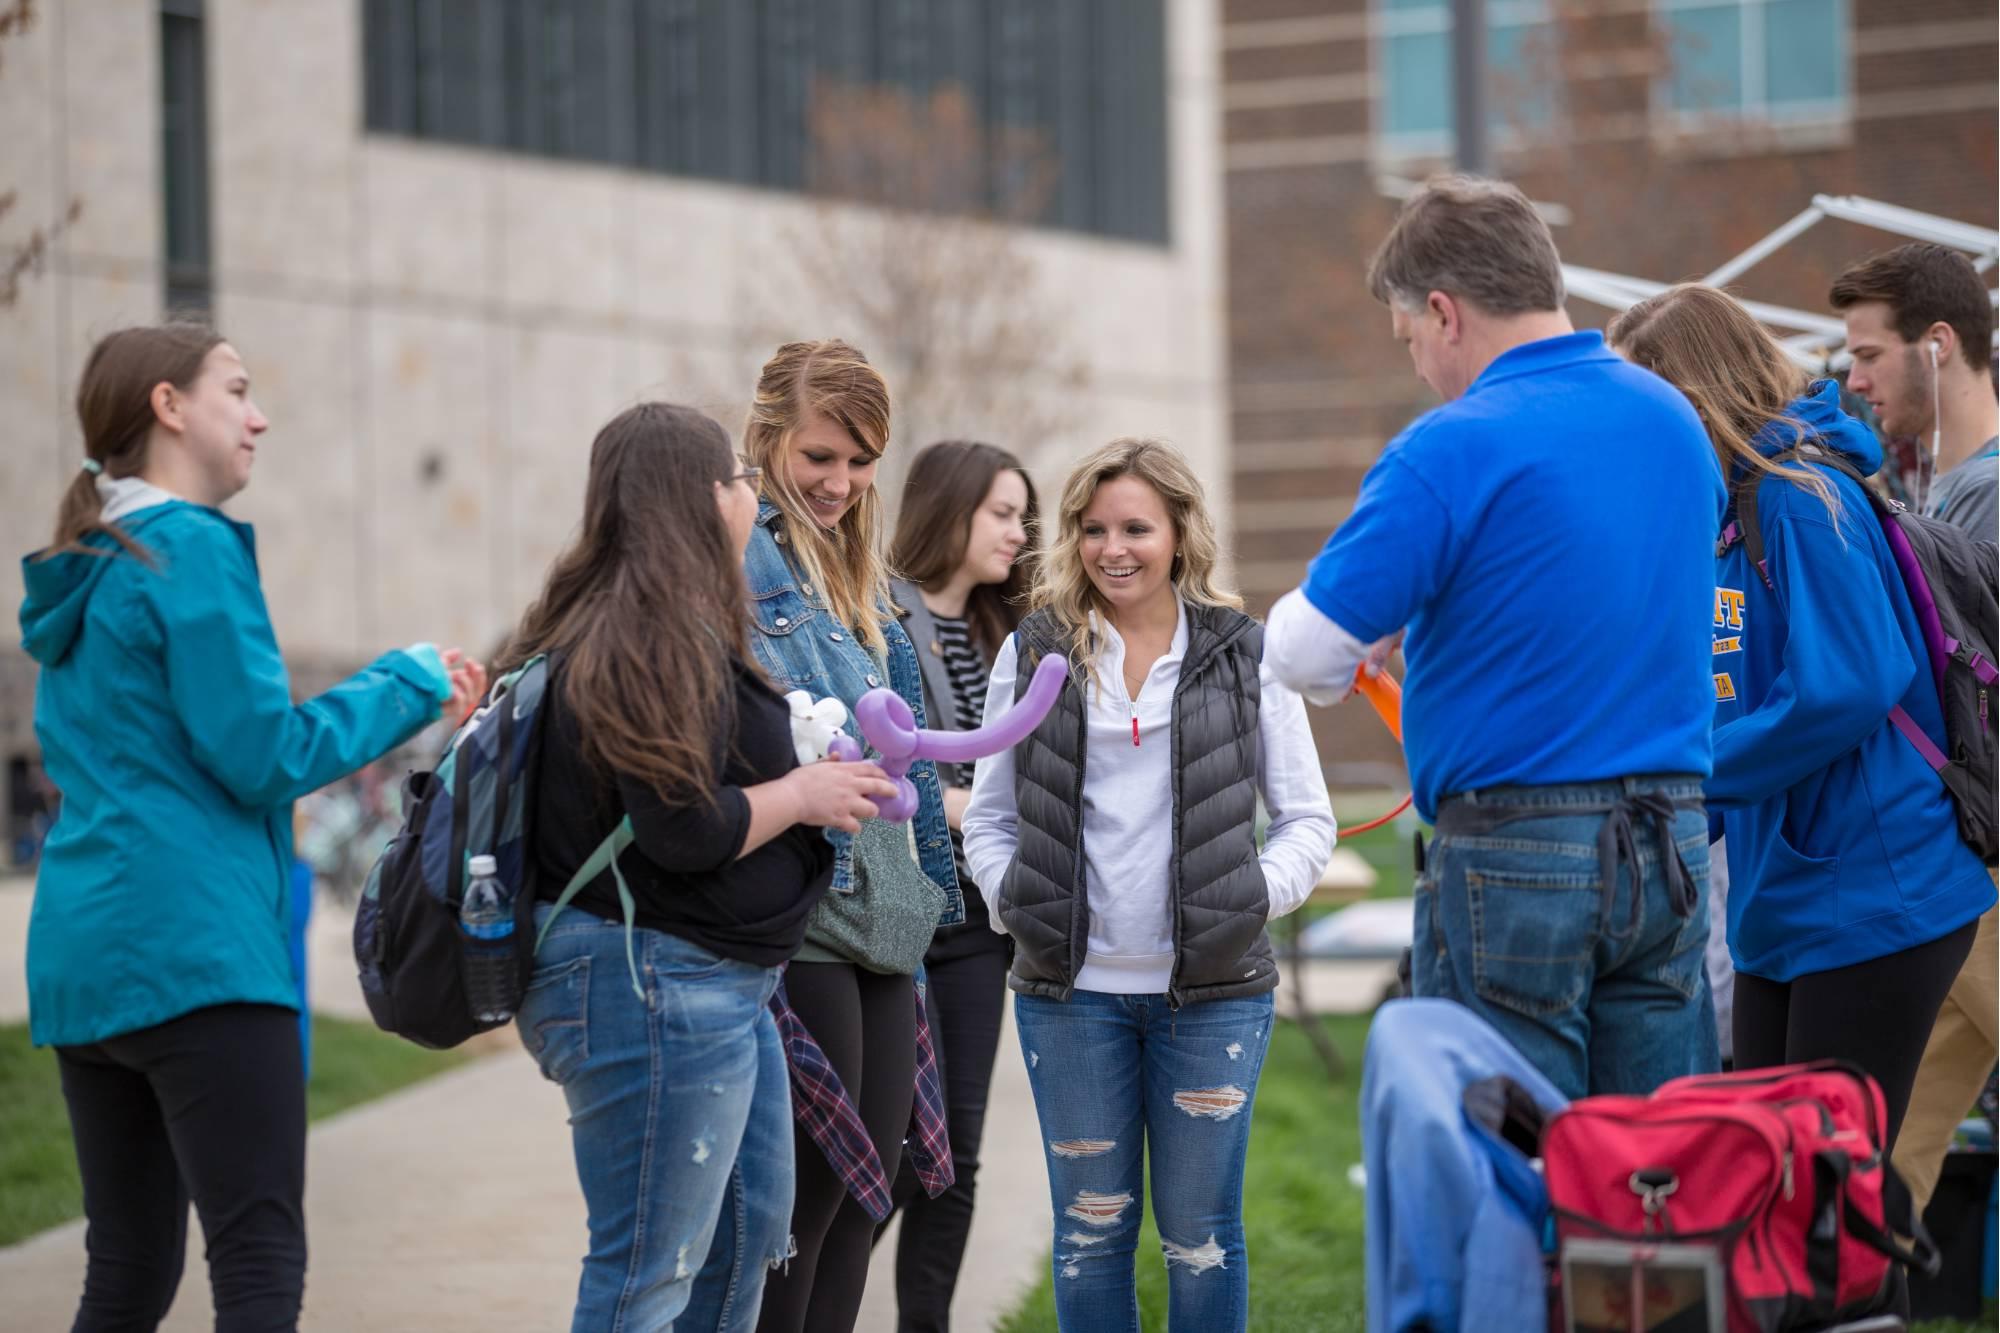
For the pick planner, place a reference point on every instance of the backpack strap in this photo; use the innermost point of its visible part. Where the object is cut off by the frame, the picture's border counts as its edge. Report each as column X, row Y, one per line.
column 604, row 857
column 1745, row 528
column 1898, row 717
column 1914, row 734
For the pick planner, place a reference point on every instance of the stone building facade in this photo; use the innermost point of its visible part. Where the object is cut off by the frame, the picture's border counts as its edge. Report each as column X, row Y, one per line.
column 436, row 323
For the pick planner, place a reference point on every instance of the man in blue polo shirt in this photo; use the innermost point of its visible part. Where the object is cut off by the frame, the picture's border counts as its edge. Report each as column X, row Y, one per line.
column 1546, row 538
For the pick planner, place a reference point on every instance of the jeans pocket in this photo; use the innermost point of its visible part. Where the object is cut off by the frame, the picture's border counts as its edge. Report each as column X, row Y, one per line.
column 1686, row 958
column 1534, row 930
column 554, row 1021
column 704, row 994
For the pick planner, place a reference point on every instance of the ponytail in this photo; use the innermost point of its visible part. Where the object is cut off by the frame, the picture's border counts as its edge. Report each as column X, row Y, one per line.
column 114, row 405
column 81, row 513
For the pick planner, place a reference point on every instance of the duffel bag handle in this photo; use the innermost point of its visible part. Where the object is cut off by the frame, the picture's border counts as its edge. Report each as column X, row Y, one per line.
column 1900, row 1212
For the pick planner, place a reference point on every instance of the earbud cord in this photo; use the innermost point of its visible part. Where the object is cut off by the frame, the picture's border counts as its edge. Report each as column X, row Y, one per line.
column 1937, row 435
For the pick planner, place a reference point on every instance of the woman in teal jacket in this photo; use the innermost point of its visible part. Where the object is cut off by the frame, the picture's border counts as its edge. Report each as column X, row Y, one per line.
column 157, row 959
column 1852, row 900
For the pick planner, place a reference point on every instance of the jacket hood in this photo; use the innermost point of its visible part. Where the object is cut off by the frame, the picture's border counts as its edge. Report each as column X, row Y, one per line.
column 59, row 589
column 1826, row 426
column 58, row 594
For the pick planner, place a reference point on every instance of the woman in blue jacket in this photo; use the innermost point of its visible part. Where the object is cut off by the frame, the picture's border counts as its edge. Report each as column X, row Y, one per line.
column 1852, row 900
column 821, row 621
column 157, row 957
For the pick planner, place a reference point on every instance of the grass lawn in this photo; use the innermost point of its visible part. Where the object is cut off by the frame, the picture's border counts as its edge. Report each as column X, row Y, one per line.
column 1303, row 1221
column 351, row 1063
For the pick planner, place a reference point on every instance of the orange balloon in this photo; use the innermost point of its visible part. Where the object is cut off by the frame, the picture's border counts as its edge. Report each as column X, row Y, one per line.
column 1387, row 697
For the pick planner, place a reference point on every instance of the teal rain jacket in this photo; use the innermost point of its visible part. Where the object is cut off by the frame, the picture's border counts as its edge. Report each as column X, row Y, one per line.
column 166, row 720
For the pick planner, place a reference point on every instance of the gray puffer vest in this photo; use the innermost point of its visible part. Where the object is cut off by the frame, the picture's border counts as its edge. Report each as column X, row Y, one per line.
column 1220, row 948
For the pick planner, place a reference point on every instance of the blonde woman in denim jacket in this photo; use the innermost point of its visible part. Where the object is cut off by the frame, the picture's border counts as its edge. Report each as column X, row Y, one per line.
column 822, row 621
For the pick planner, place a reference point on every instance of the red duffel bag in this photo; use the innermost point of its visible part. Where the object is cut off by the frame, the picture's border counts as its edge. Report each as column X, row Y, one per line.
column 1774, row 1177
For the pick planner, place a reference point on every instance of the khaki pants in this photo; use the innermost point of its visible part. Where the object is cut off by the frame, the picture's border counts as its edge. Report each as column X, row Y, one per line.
column 1957, row 1059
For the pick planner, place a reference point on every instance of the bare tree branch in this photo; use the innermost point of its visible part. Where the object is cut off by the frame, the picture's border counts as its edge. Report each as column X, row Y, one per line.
column 19, row 260
column 929, row 272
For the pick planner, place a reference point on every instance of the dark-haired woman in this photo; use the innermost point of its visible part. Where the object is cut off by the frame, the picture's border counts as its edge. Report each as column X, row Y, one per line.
column 962, row 550
column 157, row 958
column 659, row 1032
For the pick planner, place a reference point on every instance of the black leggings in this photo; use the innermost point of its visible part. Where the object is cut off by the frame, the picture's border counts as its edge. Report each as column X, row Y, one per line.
column 1878, row 1014
column 867, row 1025
column 967, row 972
column 209, row 1106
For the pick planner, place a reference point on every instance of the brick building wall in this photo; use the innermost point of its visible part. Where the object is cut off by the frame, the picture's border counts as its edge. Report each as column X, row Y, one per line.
column 1317, row 384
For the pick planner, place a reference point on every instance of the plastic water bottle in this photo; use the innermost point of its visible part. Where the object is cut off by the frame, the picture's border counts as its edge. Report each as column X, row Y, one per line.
column 487, row 916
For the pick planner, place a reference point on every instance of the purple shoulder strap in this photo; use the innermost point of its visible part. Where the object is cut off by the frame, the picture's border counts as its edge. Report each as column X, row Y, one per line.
column 1937, row 647
column 1921, row 600
column 1914, row 734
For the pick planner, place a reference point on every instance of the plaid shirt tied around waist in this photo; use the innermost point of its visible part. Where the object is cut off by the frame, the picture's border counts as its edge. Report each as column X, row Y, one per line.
column 821, row 1104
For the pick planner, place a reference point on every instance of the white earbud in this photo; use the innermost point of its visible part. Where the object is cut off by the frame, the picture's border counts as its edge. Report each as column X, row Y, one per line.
column 1934, row 353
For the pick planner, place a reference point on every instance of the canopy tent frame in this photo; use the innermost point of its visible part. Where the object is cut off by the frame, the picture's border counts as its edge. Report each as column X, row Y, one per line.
column 1811, row 339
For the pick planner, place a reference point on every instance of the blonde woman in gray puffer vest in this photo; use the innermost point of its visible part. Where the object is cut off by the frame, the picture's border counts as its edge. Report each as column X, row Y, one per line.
column 1117, row 845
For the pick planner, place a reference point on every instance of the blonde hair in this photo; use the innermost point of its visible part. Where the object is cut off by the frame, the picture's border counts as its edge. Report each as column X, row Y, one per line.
column 1704, row 343
column 833, row 379
column 1062, row 585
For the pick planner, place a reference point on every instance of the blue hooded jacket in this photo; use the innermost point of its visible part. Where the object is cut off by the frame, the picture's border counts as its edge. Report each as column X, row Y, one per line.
column 1843, row 845
column 166, row 720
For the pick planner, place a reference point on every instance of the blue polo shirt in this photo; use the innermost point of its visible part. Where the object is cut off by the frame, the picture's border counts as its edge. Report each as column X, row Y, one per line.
column 1548, row 540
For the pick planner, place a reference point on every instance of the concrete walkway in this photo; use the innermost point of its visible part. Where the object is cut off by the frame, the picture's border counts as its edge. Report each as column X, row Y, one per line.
column 454, row 1204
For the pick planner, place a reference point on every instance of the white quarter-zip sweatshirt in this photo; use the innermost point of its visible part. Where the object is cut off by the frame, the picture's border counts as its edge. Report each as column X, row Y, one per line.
column 1128, row 799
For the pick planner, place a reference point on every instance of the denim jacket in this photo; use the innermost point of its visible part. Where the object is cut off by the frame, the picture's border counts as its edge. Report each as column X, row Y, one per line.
column 803, row 646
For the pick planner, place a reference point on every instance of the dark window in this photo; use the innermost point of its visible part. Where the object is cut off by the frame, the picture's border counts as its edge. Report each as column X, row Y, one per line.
column 184, row 155
column 725, row 89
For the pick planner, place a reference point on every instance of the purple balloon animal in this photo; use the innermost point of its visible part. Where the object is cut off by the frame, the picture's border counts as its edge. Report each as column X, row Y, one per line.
column 889, row 726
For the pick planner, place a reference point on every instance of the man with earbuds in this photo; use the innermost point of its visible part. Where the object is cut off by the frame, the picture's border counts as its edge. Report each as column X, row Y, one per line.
column 1920, row 327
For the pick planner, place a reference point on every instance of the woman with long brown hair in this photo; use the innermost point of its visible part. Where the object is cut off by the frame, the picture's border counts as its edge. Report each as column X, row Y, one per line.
column 158, row 964
column 1118, row 846
column 1852, row 900
column 659, row 1032
column 964, row 565
column 822, row 622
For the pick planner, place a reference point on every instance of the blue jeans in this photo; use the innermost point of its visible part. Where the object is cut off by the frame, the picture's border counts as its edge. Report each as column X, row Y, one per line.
column 1120, row 1080
column 680, row 1117
column 1601, row 986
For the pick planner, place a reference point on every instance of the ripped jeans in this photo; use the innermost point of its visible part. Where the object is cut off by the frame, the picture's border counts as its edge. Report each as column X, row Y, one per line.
column 1121, row 1081
column 680, row 1119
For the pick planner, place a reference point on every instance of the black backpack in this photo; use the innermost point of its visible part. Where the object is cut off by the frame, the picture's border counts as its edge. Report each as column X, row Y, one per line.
column 1950, row 577
column 479, row 800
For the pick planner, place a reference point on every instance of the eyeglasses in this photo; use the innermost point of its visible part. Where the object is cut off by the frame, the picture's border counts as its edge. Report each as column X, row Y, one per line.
column 749, row 474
